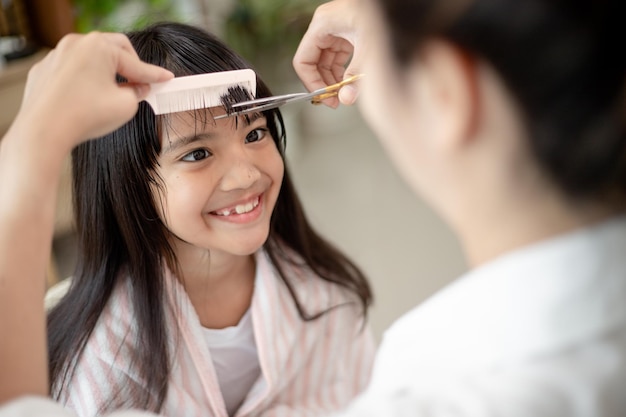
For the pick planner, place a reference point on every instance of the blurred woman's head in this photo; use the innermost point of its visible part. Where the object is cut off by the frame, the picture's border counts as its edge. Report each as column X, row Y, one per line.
column 483, row 90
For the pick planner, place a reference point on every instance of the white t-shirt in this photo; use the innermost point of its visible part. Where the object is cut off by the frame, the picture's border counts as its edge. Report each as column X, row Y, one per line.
column 235, row 359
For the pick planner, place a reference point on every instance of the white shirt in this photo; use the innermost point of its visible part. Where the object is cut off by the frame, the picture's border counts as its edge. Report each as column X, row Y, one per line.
column 235, row 359
column 538, row 332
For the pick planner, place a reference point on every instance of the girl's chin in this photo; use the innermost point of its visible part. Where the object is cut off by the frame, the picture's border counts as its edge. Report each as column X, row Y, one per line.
column 249, row 248
column 248, row 245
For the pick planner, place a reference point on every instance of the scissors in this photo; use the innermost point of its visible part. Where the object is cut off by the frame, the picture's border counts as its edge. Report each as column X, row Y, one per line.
column 267, row 103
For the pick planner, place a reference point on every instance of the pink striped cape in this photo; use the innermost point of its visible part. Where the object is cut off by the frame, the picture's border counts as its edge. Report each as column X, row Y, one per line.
column 307, row 368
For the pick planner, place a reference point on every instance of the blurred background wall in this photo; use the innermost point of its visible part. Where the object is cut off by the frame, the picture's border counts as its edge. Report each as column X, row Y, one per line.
column 349, row 188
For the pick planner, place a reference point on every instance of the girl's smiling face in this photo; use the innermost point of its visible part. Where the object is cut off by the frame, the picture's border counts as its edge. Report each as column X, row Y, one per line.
column 219, row 181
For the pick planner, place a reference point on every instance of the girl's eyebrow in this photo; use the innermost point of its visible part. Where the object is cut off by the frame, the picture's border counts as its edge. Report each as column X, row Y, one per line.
column 252, row 117
column 186, row 140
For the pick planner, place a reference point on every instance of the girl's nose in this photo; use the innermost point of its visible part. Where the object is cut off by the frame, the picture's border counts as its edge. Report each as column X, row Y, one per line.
column 239, row 174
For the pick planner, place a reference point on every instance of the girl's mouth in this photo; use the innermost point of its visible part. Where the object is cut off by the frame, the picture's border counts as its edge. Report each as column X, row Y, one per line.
column 239, row 208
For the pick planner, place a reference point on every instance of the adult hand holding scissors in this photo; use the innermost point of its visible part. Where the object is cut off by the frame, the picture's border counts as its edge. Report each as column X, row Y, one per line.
column 331, row 50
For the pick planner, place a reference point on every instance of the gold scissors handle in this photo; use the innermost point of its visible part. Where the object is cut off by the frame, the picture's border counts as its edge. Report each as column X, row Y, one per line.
column 333, row 90
column 267, row 103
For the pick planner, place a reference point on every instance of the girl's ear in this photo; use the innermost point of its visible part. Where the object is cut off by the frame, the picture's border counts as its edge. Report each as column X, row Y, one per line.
column 448, row 91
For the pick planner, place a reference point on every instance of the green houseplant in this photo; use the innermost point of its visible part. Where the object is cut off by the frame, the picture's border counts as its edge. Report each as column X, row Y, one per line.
column 120, row 15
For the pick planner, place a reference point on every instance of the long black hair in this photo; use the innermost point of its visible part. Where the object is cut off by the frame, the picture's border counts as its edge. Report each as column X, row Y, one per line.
column 564, row 63
column 118, row 225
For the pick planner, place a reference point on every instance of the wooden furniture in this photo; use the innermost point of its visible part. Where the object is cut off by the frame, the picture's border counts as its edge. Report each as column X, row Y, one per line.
column 12, row 82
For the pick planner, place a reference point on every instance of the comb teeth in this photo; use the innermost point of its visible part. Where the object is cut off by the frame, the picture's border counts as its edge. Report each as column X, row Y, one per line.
column 201, row 91
column 192, row 99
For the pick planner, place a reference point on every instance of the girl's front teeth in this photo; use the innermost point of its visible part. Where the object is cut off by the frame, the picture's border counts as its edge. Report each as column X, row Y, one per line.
column 240, row 209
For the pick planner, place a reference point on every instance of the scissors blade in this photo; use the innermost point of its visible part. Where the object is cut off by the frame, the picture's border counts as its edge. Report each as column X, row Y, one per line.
column 268, row 103
column 266, row 100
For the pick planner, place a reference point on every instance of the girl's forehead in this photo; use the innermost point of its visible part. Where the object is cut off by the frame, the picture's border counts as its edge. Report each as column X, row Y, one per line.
column 175, row 125
column 192, row 117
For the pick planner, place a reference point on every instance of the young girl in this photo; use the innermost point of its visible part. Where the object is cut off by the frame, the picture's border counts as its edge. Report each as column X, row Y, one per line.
column 201, row 289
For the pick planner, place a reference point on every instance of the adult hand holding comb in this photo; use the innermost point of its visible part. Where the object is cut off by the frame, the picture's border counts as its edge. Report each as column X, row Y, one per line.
column 71, row 96
column 84, row 96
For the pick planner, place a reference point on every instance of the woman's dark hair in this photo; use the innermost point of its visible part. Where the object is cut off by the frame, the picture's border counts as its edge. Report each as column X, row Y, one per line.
column 564, row 63
column 121, row 237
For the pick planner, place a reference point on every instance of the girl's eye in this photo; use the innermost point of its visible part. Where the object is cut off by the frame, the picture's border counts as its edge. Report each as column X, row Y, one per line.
column 256, row 135
column 196, row 155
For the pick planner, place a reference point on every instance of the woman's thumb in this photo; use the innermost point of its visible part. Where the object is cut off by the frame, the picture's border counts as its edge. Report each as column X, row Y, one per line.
column 349, row 93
